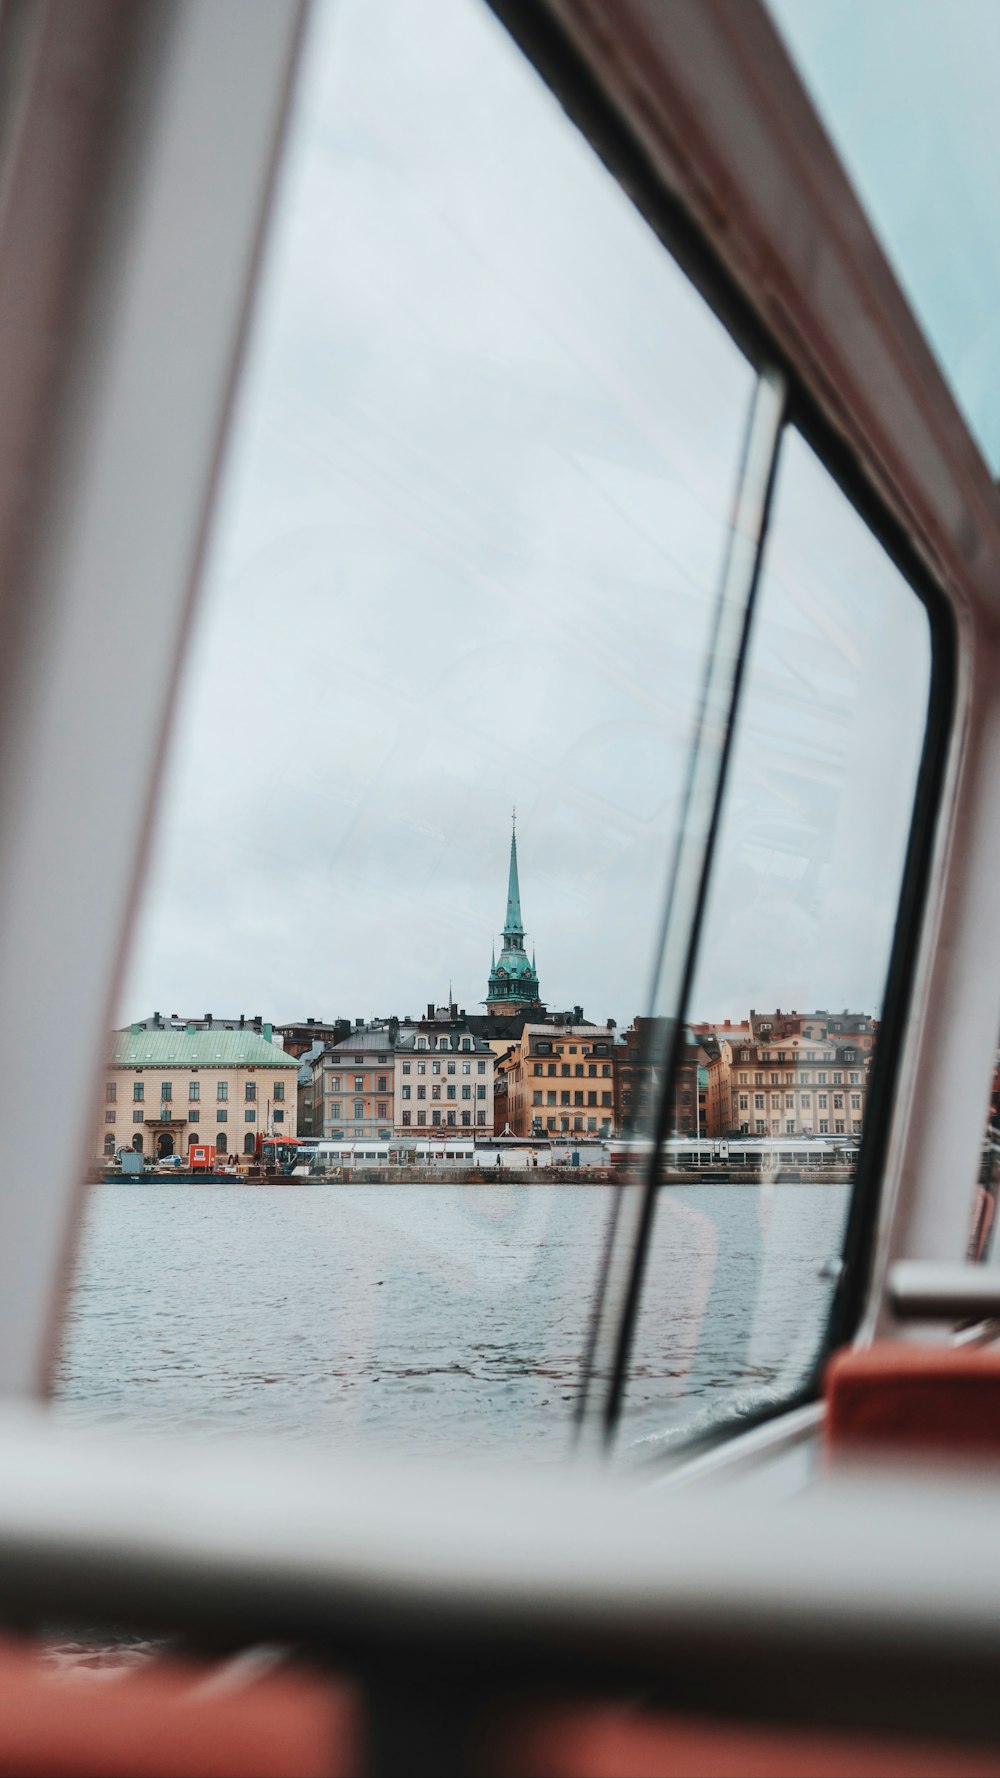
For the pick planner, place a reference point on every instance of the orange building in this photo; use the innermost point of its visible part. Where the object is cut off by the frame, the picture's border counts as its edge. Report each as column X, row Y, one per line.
column 560, row 1080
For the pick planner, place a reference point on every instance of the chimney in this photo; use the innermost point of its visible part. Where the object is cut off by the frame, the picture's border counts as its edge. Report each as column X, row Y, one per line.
column 242, row 1021
column 156, row 1021
column 267, row 1032
column 208, row 1020
column 430, row 1009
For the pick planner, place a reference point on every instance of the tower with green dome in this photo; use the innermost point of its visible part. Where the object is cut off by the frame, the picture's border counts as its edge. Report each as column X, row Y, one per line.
column 513, row 982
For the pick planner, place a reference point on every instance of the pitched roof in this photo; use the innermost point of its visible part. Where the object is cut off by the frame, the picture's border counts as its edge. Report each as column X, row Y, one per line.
column 201, row 1049
column 365, row 1040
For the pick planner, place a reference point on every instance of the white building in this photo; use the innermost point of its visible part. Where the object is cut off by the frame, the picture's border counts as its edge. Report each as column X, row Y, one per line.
column 443, row 1079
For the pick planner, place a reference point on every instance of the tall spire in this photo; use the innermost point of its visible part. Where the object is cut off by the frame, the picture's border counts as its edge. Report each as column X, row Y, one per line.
column 513, row 923
column 513, row 983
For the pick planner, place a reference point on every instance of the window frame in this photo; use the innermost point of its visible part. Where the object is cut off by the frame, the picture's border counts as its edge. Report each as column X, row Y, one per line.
column 856, row 418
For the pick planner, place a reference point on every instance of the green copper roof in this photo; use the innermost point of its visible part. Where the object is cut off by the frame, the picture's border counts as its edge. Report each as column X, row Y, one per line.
column 196, row 1049
column 513, row 922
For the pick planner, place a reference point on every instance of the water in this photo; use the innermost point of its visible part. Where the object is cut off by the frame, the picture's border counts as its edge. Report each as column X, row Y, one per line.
column 436, row 1319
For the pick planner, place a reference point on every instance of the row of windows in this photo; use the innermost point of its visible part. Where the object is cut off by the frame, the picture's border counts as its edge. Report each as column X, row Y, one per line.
column 805, row 1101
column 797, row 1056
column 449, row 1068
column 577, row 1099
column 194, row 1091
column 544, row 1048
column 565, row 1125
column 361, row 1082
column 823, row 1127
column 576, row 1068
column 221, row 1117
column 805, row 1079
column 451, row 1117
column 450, row 1092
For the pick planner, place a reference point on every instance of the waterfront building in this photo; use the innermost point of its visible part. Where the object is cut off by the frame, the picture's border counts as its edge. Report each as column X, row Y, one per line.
column 560, row 1080
column 641, row 1062
column 513, row 983
column 444, row 1077
column 168, row 1087
column 798, row 1085
column 354, row 1084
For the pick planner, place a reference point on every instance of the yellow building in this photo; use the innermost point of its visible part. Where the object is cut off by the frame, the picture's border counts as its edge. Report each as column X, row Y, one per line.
column 560, row 1081
column 167, row 1089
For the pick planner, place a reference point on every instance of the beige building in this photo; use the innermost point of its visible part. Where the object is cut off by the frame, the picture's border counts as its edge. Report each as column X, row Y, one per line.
column 165, row 1090
column 792, row 1086
column 444, row 1080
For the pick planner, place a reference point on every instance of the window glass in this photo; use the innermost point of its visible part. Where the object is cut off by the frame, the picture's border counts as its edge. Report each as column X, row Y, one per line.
column 793, row 958
column 466, row 558
column 908, row 89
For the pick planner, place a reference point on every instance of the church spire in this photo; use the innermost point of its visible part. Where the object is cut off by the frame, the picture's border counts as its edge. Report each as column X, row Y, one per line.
column 513, row 984
column 513, row 923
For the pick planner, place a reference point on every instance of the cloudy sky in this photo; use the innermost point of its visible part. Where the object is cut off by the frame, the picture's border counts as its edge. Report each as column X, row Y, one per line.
column 466, row 557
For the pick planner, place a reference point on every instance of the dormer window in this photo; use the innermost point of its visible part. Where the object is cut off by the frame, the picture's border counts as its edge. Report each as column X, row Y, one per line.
column 421, row 1043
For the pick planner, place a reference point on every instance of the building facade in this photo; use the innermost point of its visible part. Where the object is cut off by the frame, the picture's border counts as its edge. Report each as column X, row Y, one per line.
column 790, row 1086
column 639, row 1074
column 444, row 1079
column 561, row 1081
column 167, row 1088
column 354, row 1085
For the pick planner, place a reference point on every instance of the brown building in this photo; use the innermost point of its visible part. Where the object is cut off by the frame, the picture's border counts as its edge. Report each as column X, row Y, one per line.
column 641, row 1065
column 299, row 1037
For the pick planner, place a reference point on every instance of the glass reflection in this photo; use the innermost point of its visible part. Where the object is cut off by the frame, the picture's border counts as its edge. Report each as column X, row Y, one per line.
column 791, row 972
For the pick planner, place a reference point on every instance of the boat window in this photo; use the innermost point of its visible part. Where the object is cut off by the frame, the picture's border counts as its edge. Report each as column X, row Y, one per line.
column 799, row 920
column 466, row 558
column 907, row 89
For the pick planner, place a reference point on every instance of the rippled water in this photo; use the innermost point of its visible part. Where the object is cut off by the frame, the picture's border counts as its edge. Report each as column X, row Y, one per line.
column 440, row 1318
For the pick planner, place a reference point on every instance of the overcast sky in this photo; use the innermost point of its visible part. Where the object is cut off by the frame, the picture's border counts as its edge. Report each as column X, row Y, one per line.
column 466, row 558
column 908, row 90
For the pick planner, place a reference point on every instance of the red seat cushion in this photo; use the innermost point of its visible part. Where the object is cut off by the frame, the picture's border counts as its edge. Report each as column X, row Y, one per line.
column 162, row 1721
column 941, row 1400
column 615, row 1743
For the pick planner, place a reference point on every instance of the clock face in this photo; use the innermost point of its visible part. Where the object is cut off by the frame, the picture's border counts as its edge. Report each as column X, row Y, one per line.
column 501, row 970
